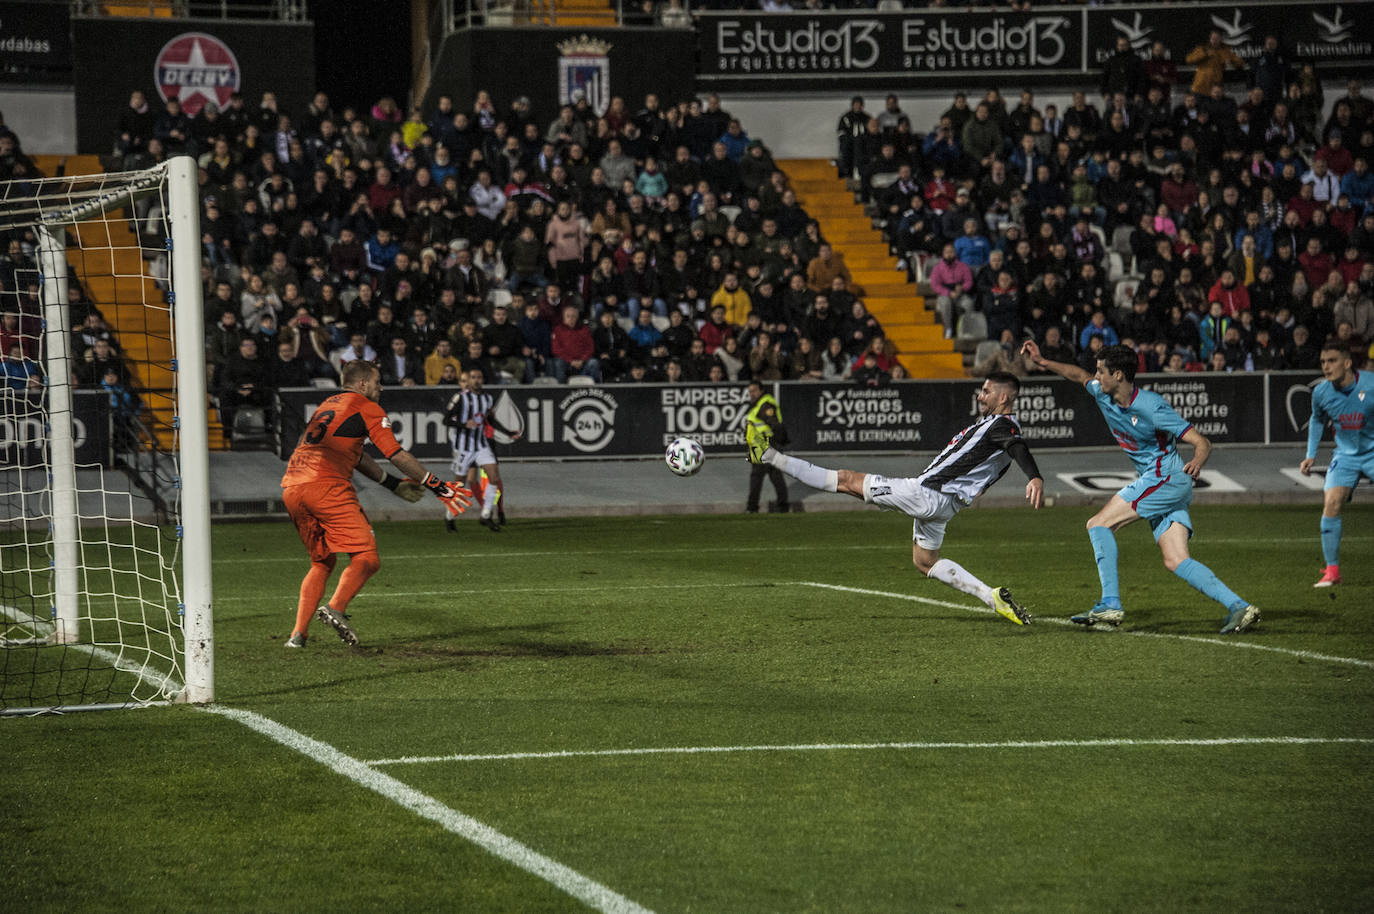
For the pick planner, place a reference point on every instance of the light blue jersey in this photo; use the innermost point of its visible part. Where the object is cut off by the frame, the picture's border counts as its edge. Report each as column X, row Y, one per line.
column 1148, row 430
column 1350, row 411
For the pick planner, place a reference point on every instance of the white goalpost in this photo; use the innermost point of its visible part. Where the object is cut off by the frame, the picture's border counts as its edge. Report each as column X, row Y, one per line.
column 105, row 566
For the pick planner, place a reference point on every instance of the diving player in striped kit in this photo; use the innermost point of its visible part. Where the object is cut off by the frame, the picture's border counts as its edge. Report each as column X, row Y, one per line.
column 972, row 461
column 1148, row 430
column 1346, row 400
column 468, row 414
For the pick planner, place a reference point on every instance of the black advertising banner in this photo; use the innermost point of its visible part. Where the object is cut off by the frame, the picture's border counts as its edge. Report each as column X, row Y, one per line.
column 1226, row 408
column 24, row 435
column 193, row 60
column 555, row 63
column 35, row 42
column 613, row 420
column 1327, row 34
column 911, row 47
column 638, row 420
column 1290, row 405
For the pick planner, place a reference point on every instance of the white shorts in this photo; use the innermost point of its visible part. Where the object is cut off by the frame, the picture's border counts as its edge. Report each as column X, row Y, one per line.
column 463, row 460
column 929, row 510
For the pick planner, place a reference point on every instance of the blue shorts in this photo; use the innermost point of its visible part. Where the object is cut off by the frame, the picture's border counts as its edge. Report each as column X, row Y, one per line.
column 1345, row 470
column 1161, row 501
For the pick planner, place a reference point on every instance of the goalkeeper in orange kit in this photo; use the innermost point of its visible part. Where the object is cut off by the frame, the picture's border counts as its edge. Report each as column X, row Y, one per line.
column 318, row 492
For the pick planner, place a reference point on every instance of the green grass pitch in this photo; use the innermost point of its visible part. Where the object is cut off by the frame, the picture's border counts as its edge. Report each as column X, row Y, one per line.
column 593, row 634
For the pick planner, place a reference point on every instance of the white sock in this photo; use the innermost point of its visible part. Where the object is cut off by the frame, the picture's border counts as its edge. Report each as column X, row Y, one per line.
column 956, row 576
column 814, row 476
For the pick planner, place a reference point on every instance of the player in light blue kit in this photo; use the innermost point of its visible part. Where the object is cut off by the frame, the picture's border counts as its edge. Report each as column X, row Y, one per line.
column 1148, row 430
column 1346, row 401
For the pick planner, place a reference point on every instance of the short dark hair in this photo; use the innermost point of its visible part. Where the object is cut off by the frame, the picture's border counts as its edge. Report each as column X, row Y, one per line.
column 1007, row 380
column 1334, row 343
column 1120, row 358
column 357, row 370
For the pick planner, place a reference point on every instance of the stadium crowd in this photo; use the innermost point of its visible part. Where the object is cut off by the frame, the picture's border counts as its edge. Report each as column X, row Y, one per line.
column 1210, row 232
column 661, row 243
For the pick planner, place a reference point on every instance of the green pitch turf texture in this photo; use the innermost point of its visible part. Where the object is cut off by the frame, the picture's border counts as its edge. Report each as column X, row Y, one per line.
column 592, row 634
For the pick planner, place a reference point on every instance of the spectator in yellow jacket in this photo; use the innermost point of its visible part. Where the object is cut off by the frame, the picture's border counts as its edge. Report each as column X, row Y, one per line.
column 1211, row 60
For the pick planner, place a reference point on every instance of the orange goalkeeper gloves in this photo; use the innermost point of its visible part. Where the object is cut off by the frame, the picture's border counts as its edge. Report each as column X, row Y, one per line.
column 454, row 497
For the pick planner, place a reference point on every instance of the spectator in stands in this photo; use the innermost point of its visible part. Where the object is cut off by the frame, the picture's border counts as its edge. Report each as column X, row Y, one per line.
column 573, row 349
column 21, row 374
column 442, row 358
column 246, row 381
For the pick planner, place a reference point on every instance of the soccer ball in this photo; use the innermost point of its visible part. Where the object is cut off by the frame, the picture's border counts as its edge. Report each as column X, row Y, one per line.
column 684, row 456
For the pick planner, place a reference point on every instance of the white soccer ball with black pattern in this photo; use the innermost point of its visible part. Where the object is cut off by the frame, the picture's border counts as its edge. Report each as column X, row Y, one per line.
column 684, row 456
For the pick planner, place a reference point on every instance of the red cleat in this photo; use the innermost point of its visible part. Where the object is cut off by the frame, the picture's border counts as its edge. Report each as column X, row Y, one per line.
column 1330, row 577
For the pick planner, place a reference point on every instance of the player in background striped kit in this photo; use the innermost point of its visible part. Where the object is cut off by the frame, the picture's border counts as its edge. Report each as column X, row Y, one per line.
column 1148, row 430
column 1345, row 400
column 469, row 416
column 972, row 461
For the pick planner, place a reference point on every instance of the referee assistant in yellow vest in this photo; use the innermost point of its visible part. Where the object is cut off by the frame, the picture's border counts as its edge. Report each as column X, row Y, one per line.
column 764, row 410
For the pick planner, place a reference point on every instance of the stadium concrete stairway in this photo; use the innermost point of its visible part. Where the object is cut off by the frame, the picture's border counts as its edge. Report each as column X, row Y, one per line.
column 896, row 303
column 108, row 258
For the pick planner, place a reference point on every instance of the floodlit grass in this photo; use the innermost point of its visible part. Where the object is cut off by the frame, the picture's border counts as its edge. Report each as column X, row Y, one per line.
column 585, row 635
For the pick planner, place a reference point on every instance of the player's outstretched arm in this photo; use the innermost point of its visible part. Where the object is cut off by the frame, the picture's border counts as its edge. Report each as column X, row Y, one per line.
column 1031, row 351
column 455, row 497
column 1202, row 449
column 404, row 488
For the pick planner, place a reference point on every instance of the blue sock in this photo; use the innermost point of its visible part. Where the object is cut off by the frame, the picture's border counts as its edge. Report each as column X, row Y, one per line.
column 1203, row 580
column 1331, row 540
column 1104, row 550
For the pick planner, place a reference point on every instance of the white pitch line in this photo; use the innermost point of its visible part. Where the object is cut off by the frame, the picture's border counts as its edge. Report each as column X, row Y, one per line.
column 1237, row 641
column 584, row 889
column 594, row 588
column 852, row 747
column 817, row 547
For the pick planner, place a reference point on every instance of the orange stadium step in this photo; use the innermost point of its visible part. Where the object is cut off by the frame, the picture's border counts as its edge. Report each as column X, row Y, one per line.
column 904, row 314
column 109, row 260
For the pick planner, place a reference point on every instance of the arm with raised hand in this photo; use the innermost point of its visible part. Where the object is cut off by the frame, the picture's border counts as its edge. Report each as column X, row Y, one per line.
column 1065, row 370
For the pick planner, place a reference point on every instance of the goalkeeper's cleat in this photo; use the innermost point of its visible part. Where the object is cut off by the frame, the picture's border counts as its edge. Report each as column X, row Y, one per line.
column 297, row 639
column 1008, row 608
column 1330, row 577
column 339, row 622
column 450, row 525
column 1239, row 619
column 758, row 436
column 490, row 524
column 1101, row 614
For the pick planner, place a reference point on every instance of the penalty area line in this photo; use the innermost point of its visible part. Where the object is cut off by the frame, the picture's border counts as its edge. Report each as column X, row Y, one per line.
column 1236, row 641
column 584, row 889
column 900, row 746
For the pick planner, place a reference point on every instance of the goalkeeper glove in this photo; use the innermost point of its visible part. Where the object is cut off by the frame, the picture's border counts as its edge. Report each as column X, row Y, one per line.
column 454, row 497
column 408, row 489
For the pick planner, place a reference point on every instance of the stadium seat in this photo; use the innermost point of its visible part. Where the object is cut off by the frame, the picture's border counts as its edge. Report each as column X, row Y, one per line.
column 581, row 380
column 499, row 298
column 986, row 349
column 1116, row 266
column 324, row 383
column 730, row 212
column 972, row 326
column 661, row 323
column 545, row 381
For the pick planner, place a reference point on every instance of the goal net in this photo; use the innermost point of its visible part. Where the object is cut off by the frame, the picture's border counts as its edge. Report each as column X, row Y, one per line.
column 104, row 476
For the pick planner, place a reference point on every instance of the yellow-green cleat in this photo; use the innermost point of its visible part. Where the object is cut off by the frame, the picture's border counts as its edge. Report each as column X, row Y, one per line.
column 758, row 436
column 1008, row 608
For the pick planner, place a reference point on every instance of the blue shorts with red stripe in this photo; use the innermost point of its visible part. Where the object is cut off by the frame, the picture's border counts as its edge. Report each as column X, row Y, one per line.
column 1161, row 501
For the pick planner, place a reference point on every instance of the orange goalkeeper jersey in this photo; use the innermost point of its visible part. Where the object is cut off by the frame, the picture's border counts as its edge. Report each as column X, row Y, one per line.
column 333, row 439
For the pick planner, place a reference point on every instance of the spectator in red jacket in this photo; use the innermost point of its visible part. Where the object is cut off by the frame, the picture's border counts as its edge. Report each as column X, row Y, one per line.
column 1316, row 264
column 573, row 349
column 1232, row 294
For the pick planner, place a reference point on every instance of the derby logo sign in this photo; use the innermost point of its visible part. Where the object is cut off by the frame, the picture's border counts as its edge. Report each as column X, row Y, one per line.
column 584, row 69
column 195, row 68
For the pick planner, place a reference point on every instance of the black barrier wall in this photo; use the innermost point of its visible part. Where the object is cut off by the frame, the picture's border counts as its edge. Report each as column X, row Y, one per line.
column 549, row 64
column 24, row 433
column 35, row 42
column 758, row 51
column 193, row 59
column 638, row 420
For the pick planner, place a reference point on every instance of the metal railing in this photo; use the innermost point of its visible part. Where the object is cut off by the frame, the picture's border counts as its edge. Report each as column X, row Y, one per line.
column 274, row 10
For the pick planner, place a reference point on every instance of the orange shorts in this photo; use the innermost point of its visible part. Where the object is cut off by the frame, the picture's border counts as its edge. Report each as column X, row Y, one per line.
column 329, row 519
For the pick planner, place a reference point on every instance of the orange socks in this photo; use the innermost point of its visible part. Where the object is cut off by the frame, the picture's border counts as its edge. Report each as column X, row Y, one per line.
column 312, row 588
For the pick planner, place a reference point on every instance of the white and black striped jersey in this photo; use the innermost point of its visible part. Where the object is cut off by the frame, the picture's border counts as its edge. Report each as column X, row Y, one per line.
column 977, row 457
column 465, row 406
